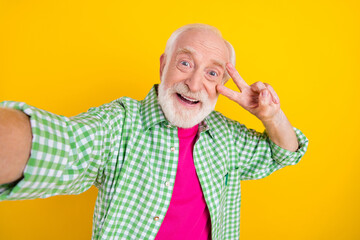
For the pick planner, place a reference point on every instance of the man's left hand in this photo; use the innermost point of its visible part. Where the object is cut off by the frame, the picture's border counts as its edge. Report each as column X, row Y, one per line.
column 259, row 98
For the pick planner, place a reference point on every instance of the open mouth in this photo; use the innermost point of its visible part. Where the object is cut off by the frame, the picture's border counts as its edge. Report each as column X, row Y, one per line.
column 187, row 99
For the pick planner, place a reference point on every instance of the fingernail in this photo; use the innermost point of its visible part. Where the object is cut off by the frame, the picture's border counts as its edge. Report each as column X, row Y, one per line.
column 264, row 93
column 230, row 66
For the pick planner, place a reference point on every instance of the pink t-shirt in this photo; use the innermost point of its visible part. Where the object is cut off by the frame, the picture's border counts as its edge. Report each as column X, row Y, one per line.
column 187, row 216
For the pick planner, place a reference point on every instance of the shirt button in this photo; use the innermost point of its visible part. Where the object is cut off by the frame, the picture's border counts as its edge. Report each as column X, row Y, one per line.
column 156, row 218
column 172, row 149
column 167, row 184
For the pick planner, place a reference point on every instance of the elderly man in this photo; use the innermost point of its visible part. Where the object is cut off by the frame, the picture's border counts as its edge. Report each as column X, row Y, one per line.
column 167, row 167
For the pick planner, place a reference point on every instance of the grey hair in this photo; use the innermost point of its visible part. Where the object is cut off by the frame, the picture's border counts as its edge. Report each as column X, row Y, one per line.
column 175, row 35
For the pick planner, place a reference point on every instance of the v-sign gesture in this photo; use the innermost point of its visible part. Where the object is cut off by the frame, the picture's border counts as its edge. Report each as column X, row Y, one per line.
column 259, row 98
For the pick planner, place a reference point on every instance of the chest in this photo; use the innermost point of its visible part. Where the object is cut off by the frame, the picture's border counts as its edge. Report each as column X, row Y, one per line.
column 151, row 160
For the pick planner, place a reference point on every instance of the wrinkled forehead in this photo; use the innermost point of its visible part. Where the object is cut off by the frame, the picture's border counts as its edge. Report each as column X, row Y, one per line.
column 203, row 42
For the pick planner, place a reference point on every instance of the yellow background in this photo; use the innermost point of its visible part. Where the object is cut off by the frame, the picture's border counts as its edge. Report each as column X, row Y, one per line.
column 67, row 56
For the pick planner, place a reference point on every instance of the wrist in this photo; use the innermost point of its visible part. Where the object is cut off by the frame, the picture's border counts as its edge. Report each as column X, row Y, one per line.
column 278, row 119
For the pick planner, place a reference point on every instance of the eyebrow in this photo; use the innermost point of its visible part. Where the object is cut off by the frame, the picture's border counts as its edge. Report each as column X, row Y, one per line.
column 186, row 50
column 191, row 51
column 220, row 64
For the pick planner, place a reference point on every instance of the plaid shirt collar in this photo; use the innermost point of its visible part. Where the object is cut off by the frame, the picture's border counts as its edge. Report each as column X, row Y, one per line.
column 152, row 114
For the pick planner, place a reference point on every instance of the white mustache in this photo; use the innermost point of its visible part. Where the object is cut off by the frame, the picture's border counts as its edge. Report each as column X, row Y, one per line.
column 183, row 89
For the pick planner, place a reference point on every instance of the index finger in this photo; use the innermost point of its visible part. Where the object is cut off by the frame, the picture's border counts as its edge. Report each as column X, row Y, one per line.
column 239, row 81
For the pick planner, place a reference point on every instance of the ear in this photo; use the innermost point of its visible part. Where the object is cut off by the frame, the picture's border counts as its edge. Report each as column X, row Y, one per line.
column 162, row 64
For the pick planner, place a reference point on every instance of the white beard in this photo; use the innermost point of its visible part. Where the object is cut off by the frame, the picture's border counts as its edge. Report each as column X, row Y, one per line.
column 176, row 113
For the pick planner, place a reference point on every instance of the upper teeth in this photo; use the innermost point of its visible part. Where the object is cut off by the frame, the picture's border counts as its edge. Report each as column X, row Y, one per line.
column 189, row 99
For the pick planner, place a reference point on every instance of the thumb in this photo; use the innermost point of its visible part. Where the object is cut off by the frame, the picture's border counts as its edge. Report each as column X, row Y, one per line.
column 264, row 98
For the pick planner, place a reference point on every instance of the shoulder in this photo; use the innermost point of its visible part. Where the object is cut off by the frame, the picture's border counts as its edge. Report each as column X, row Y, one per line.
column 117, row 110
column 218, row 120
column 232, row 127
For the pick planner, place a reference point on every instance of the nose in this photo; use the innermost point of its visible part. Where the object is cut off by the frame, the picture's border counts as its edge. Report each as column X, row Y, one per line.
column 195, row 81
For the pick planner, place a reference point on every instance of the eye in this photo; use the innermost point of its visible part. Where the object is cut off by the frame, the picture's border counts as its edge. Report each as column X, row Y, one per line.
column 185, row 63
column 213, row 73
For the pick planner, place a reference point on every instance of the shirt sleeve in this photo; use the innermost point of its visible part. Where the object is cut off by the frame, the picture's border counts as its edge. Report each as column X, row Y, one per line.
column 259, row 156
column 67, row 154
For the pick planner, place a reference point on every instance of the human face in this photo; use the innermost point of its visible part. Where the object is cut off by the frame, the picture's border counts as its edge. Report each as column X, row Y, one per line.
column 187, row 93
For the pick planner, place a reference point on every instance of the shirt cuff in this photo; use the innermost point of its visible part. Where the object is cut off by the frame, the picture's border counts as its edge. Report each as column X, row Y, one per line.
column 285, row 157
column 47, row 159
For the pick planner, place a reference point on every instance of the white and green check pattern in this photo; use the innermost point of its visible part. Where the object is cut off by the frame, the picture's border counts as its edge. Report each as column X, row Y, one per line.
column 129, row 151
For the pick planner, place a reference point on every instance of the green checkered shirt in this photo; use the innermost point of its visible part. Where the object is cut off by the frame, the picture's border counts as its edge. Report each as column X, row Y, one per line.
column 129, row 151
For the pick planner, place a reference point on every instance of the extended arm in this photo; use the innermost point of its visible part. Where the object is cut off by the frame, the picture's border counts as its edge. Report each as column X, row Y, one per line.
column 15, row 144
column 57, row 155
